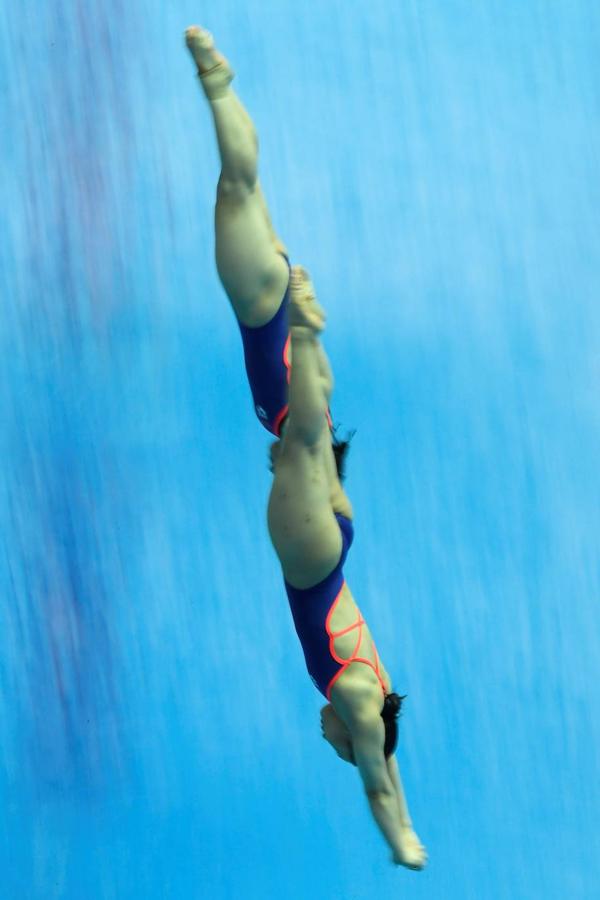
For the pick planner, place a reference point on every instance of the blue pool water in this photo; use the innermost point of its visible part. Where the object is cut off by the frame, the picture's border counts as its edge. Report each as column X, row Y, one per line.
column 436, row 167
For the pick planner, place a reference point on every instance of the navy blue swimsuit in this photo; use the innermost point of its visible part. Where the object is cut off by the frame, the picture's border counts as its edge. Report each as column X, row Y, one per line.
column 312, row 609
column 266, row 354
column 268, row 366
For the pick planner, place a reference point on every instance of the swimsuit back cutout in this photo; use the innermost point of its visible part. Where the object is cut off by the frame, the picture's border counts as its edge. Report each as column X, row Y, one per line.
column 312, row 609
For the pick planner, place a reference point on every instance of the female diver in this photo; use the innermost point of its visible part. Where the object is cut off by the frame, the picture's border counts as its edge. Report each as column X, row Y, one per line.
column 309, row 514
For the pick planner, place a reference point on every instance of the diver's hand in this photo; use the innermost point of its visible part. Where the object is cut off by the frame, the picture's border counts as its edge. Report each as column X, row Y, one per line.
column 409, row 851
column 304, row 311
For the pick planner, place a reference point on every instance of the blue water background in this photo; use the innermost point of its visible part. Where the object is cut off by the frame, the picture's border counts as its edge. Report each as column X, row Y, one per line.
column 436, row 167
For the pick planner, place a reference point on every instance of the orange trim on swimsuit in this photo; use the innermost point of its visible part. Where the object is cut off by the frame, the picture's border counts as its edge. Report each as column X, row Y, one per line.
column 286, row 361
column 345, row 663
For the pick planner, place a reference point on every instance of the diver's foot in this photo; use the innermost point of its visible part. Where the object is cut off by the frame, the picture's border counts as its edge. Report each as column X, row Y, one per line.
column 410, row 852
column 215, row 72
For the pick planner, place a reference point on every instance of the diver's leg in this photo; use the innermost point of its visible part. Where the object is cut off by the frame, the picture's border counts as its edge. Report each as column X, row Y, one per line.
column 248, row 252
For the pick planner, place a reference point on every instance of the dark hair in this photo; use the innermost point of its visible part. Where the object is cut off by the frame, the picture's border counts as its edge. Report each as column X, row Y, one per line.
column 340, row 450
column 390, row 713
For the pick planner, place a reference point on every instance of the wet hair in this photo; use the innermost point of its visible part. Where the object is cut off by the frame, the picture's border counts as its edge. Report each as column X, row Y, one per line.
column 390, row 713
column 340, row 449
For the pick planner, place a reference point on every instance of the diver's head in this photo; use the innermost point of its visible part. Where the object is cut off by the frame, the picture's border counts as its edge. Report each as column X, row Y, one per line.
column 337, row 734
column 392, row 705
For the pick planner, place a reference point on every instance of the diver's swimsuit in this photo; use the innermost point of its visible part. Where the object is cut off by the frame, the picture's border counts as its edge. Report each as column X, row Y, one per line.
column 312, row 610
column 267, row 358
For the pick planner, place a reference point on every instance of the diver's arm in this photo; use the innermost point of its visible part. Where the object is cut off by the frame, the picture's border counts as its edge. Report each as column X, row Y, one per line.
column 307, row 395
column 325, row 370
column 367, row 742
column 310, row 376
column 394, row 773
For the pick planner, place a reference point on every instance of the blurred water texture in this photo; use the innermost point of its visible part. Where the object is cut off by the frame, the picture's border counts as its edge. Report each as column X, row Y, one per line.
column 436, row 166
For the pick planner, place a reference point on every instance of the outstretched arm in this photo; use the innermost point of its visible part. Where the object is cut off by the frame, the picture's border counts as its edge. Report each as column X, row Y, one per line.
column 381, row 779
column 394, row 773
column 367, row 743
column 326, row 373
column 308, row 389
column 311, row 380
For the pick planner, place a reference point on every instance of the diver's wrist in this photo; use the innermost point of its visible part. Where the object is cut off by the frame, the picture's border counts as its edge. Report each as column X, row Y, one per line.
column 303, row 333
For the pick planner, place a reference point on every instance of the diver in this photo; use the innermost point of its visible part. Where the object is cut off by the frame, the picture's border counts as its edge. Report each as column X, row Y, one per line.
column 309, row 513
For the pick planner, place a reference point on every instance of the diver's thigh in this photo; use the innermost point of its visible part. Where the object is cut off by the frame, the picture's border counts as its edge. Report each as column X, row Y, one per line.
column 252, row 270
